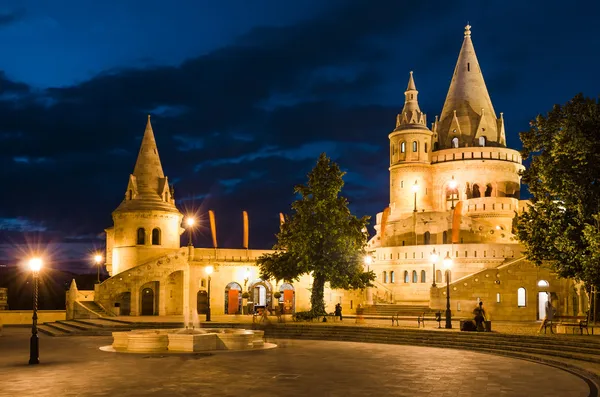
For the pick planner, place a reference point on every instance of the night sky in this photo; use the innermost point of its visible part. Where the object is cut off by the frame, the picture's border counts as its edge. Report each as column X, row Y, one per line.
column 244, row 95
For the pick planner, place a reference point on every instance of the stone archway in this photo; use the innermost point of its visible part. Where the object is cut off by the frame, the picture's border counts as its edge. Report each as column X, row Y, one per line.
column 233, row 298
column 202, row 302
column 288, row 298
column 147, row 306
column 261, row 293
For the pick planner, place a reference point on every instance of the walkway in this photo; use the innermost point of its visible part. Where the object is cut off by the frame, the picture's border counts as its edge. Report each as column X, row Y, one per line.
column 74, row 366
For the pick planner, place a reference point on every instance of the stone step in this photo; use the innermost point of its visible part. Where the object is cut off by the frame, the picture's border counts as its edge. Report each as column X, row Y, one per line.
column 502, row 348
column 51, row 331
column 103, row 323
column 63, row 327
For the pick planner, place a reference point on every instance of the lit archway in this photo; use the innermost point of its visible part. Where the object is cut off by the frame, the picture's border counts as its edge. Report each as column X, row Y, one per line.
column 287, row 298
column 233, row 298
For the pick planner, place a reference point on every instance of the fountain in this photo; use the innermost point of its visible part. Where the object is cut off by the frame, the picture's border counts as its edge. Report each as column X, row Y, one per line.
column 187, row 340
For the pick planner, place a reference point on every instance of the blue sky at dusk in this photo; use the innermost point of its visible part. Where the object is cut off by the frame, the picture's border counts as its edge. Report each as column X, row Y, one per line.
column 244, row 95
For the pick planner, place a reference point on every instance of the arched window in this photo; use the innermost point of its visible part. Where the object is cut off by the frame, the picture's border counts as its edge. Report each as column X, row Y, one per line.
column 403, row 147
column 454, row 142
column 543, row 283
column 476, row 193
column 392, row 277
column 425, row 147
column 385, row 277
column 436, row 146
column 445, row 237
column 427, row 238
column 482, row 141
column 415, row 146
column 130, row 194
column 423, row 276
column 438, row 276
column 414, row 277
column 156, row 236
column 521, row 297
column 488, row 190
column 141, row 236
column 406, row 276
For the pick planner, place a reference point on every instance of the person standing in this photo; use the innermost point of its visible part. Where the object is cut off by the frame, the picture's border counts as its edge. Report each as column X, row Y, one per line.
column 338, row 311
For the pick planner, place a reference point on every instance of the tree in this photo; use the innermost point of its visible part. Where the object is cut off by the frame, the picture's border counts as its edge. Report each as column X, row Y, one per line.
column 321, row 238
column 561, row 228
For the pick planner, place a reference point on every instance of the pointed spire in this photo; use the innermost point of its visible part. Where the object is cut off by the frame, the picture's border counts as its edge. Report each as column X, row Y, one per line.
column 148, row 168
column 411, row 113
column 468, row 97
column 148, row 188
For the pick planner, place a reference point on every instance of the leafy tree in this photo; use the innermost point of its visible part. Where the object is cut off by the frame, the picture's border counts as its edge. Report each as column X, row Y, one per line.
column 321, row 238
column 562, row 226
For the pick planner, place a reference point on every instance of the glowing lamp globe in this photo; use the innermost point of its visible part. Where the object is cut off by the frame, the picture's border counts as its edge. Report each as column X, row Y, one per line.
column 209, row 270
column 35, row 264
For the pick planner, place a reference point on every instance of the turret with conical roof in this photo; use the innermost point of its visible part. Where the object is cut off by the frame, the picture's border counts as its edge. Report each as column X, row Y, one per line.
column 147, row 223
column 411, row 116
column 468, row 114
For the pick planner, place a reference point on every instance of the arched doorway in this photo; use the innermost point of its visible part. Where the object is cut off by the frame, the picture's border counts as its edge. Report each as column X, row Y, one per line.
column 542, row 299
column 202, row 302
column 123, row 302
column 261, row 293
column 287, row 298
column 147, row 302
column 233, row 298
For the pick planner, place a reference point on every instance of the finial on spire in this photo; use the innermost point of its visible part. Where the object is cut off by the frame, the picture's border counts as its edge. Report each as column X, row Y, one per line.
column 148, row 117
column 468, row 30
column 411, row 83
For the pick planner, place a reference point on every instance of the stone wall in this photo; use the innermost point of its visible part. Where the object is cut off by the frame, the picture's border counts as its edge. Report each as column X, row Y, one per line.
column 24, row 317
column 498, row 289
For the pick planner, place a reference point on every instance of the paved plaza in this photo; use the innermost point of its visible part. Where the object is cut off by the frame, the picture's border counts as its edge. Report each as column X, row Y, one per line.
column 74, row 366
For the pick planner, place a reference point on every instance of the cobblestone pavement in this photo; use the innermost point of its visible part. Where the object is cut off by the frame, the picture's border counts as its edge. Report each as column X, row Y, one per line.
column 74, row 366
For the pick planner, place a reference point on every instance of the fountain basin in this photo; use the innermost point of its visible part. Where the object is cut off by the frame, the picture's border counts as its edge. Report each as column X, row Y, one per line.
column 188, row 340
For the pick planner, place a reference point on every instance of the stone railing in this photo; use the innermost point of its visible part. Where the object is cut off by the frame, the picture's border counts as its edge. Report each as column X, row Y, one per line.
column 476, row 153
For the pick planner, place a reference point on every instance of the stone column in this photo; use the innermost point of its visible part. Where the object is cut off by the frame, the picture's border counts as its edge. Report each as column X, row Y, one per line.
column 135, row 299
column 187, row 310
column 580, row 296
column 162, row 296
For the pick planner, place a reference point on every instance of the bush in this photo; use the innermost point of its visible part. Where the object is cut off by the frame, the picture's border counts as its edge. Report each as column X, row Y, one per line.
column 277, row 295
column 304, row 316
column 245, row 295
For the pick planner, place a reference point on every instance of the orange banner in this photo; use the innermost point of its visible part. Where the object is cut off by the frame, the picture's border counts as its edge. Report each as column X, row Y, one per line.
column 281, row 219
column 245, row 214
column 213, row 227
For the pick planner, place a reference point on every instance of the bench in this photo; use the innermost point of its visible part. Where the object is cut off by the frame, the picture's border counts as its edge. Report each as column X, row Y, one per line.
column 564, row 323
column 420, row 316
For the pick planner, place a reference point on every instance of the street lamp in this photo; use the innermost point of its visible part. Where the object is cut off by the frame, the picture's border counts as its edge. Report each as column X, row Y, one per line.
column 415, row 189
column 434, row 258
column 452, row 184
column 447, row 266
column 35, row 264
column 190, row 223
column 208, row 269
column 368, row 260
column 98, row 260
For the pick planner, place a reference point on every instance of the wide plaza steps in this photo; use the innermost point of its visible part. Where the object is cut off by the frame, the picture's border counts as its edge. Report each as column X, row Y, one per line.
column 566, row 347
column 394, row 309
column 106, row 326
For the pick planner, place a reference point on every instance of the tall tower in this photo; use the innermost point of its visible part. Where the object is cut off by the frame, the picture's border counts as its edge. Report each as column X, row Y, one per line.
column 410, row 147
column 468, row 117
column 146, row 223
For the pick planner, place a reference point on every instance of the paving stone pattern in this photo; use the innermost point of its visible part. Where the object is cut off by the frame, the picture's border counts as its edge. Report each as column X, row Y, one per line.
column 75, row 366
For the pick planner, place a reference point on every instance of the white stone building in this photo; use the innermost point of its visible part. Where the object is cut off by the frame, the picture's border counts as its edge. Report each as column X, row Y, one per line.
column 454, row 188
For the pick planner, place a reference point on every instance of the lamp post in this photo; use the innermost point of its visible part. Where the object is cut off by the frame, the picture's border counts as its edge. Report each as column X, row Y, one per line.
column 190, row 223
column 35, row 264
column 415, row 189
column 447, row 266
column 452, row 184
column 98, row 260
column 434, row 258
column 208, row 269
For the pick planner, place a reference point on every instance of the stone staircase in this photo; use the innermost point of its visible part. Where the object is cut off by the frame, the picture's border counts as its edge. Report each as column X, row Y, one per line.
column 106, row 326
column 567, row 350
column 96, row 308
column 393, row 309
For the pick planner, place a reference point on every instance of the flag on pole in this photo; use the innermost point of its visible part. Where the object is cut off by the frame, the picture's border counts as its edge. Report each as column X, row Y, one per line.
column 245, row 214
column 213, row 227
column 281, row 219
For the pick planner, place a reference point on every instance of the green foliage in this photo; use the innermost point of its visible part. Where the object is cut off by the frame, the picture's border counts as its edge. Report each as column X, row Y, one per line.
column 321, row 238
column 304, row 316
column 277, row 295
column 561, row 228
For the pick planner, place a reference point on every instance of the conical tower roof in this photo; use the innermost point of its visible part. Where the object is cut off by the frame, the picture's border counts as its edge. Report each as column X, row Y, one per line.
column 468, row 112
column 148, row 188
column 411, row 116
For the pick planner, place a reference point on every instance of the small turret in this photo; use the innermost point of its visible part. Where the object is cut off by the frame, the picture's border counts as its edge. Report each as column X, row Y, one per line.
column 411, row 115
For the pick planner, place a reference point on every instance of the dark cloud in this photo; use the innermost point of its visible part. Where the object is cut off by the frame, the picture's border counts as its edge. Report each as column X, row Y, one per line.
column 10, row 17
column 239, row 126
